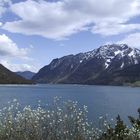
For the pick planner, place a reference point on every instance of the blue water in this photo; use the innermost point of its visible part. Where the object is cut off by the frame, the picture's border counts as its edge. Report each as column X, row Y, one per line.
column 101, row 100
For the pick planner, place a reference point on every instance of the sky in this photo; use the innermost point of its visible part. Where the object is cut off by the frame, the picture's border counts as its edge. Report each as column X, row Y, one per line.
column 33, row 32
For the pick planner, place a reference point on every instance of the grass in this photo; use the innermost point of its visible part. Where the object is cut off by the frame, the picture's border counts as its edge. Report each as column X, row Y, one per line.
column 62, row 121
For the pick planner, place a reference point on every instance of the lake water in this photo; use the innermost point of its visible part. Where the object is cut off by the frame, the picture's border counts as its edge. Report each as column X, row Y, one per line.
column 101, row 100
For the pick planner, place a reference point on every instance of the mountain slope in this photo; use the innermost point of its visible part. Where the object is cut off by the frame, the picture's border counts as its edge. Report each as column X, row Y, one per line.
column 100, row 66
column 58, row 69
column 26, row 74
column 8, row 77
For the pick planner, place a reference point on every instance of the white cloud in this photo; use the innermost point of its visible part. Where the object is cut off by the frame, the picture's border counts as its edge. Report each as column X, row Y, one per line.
column 58, row 20
column 0, row 23
column 132, row 40
column 114, row 29
column 14, row 57
column 10, row 49
column 18, row 67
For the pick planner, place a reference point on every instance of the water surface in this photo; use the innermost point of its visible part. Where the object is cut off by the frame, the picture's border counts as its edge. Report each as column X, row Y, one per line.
column 101, row 100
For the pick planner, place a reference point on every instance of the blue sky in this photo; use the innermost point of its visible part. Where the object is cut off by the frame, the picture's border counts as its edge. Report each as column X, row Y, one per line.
column 33, row 32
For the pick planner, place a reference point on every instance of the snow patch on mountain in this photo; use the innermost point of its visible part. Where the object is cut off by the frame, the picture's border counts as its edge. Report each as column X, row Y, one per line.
column 108, row 53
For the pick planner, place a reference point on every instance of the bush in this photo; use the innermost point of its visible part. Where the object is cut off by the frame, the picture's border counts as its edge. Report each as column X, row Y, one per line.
column 61, row 121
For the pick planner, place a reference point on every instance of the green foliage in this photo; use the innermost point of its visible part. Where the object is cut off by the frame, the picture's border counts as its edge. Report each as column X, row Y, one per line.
column 122, row 132
column 119, row 132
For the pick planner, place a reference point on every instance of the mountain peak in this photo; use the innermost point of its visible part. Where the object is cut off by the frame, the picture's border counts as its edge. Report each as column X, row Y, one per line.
column 115, row 47
column 89, row 66
column 119, row 51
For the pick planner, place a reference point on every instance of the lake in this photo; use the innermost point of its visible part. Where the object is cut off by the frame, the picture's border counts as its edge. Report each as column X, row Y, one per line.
column 101, row 100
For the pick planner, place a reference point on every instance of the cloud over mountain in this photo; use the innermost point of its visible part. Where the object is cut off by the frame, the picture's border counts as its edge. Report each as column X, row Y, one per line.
column 11, row 54
column 60, row 19
column 17, row 67
column 132, row 39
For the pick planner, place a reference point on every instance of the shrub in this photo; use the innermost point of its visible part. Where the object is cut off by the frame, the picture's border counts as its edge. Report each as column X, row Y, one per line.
column 61, row 121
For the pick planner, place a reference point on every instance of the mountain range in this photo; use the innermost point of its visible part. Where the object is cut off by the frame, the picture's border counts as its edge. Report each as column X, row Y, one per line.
column 114, row 64
column 9, row 77
column 26, row 74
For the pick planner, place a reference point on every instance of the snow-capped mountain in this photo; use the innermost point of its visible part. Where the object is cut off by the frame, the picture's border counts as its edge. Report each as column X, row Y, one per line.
column 112, row 52
column 93, row 67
